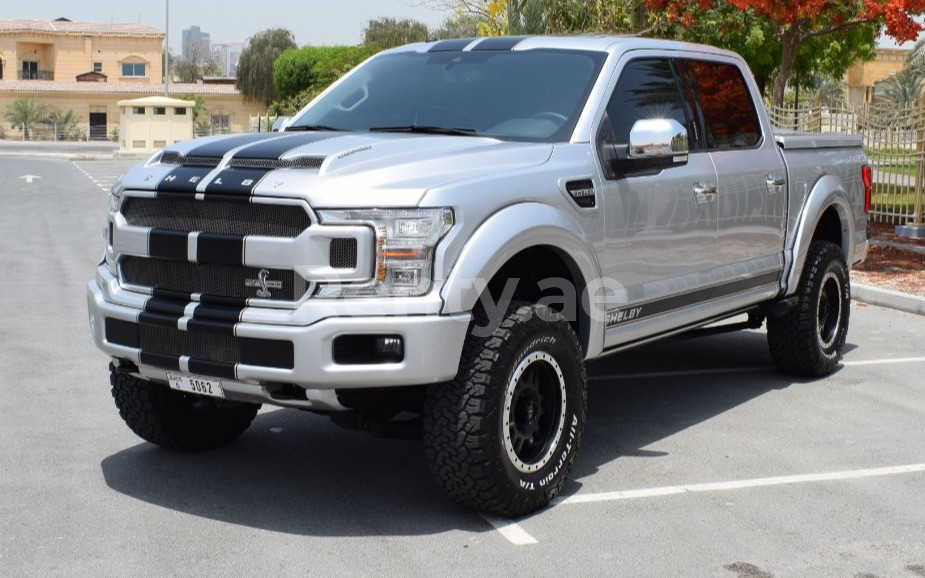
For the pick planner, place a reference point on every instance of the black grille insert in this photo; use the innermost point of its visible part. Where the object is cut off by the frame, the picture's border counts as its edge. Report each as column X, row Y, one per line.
column 216, row 216
column 213, row 280
column 343, row 253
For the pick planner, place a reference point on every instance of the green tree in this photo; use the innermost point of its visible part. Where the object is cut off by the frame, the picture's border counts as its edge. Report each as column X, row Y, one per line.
column 255, row 66
column 389, row 32
column 904, row 88
column 198, row 104
column 301, row 74
column 24, row 113
column 596, row 16
column 460, row 26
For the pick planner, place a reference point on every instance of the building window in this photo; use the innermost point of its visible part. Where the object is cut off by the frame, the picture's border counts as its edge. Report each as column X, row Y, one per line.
column 97, row 67
column 30, row 70
column 134, row 69
column 180, row 111
column 160, row 110
column 221, row 123
column 138, row 110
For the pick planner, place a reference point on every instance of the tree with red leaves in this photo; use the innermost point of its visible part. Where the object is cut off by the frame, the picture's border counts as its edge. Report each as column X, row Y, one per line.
column 795, row 22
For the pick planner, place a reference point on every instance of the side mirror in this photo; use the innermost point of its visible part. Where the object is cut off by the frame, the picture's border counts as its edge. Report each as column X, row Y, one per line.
column 658, row 139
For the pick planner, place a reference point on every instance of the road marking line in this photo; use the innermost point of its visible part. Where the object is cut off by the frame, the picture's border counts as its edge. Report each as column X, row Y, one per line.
column 739, row 484
column 511, row 531
column 884, row 361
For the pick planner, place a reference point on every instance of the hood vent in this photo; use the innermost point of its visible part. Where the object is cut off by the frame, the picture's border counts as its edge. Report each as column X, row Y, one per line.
column 296, row 163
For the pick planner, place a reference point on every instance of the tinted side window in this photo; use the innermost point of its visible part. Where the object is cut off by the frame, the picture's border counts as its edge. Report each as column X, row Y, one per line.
column 646, row 90
column 727, row 108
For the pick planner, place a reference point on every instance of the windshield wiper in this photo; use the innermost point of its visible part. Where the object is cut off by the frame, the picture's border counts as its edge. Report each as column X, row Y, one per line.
column 425, row 129
column 308, row 127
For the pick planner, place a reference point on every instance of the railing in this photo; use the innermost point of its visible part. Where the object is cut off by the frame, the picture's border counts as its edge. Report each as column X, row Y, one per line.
column 35, row 74
column 894, row 141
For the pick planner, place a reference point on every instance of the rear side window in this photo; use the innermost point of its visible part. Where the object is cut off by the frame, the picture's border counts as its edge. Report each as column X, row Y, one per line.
column 728, row 111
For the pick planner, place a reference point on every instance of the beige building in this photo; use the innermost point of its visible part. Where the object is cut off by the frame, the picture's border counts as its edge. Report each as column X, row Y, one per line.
column 88, row 67
column 862, row 77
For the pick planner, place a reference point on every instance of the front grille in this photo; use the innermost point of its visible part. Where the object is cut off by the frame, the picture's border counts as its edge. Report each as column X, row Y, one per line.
column 234, row 281
column 227, row 217
column 343, row 254
column 220, row 347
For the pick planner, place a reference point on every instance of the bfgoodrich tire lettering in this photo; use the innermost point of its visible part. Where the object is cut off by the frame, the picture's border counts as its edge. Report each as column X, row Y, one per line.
column 503, row 435
column 177, row 420
column 809, row 339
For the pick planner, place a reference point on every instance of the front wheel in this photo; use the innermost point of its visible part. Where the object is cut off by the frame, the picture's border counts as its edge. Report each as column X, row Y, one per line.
column 809, row 339
column 503, row 435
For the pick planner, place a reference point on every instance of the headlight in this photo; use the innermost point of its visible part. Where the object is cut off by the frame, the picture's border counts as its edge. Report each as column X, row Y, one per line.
column 405, row 243
column 115, row 196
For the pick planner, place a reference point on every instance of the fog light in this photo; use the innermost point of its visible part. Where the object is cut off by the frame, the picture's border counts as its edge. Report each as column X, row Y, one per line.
column 390, row 347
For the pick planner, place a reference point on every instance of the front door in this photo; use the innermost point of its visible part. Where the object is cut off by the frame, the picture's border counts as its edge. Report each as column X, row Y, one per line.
column 660, row 240
column 98, row 126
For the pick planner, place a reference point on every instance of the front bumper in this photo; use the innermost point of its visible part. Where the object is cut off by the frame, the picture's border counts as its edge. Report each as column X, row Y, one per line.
column 273, row 354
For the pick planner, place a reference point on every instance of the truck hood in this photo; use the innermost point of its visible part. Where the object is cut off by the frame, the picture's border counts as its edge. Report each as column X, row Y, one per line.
column 332, row 169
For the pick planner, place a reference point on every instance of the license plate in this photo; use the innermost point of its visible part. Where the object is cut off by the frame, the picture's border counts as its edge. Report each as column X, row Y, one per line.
column 196, row 384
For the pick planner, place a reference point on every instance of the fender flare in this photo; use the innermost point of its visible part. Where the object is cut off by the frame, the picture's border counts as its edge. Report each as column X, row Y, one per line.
column 828, row 192
column 508, row 232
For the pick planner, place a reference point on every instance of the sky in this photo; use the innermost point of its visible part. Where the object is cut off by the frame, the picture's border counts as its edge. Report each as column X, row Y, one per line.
column 311, row 21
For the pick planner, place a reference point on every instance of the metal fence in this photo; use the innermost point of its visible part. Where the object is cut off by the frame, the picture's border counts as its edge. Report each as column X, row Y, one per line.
column 894, row 141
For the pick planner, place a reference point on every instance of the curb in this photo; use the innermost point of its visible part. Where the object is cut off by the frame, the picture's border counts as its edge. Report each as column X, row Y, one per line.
column 888, row 298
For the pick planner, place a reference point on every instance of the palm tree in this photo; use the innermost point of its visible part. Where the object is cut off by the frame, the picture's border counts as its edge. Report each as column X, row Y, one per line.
column 903, row 89
column 24, row 113
column 65, row 123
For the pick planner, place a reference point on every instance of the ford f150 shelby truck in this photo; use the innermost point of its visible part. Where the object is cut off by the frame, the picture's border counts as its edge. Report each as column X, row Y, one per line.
column 455, row 228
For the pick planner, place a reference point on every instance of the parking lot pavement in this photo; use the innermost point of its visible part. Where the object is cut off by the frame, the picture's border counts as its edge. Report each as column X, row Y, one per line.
column 699, row 459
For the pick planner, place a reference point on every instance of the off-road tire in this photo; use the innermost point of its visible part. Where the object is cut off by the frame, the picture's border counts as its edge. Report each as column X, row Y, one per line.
column 502, row 436
column 177, row 420
column 808, row 340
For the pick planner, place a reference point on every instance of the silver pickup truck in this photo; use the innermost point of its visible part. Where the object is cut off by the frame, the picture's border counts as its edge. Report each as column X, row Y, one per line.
column 453, row 230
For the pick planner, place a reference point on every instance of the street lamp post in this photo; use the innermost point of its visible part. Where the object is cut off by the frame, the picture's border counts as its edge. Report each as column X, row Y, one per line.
column 167, row 48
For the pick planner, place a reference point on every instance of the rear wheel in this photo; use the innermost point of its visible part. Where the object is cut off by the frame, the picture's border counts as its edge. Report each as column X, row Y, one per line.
column 177, row 420
column 503, row 435
column 808, row 340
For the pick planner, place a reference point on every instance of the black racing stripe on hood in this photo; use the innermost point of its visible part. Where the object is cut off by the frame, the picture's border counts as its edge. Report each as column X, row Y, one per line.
column 182, row 179
column 453, row 45
column 499, row 43
column 236, row 181
column 220, row 147
column 276, row 148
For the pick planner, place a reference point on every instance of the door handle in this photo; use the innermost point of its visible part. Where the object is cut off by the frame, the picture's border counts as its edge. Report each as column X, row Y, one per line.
column 775, row 184
column 704, row 192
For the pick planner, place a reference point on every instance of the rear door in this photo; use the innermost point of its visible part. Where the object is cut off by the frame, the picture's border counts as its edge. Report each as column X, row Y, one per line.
column 751, row 190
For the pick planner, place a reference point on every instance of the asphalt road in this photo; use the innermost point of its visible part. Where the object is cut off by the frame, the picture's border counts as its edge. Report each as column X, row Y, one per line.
column 698, row 460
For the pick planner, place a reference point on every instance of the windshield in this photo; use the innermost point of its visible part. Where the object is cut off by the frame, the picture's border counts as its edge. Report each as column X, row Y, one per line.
column 531, row 95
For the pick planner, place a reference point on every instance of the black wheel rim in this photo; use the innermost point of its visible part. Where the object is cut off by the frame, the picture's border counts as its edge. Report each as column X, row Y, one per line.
column 829, row 310
column 534, row 412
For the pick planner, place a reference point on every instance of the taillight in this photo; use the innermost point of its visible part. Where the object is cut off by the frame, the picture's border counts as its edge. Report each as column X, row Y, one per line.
column 867, row 175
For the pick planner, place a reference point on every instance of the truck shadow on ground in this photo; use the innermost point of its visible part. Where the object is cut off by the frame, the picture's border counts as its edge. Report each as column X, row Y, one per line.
column 297, row 473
